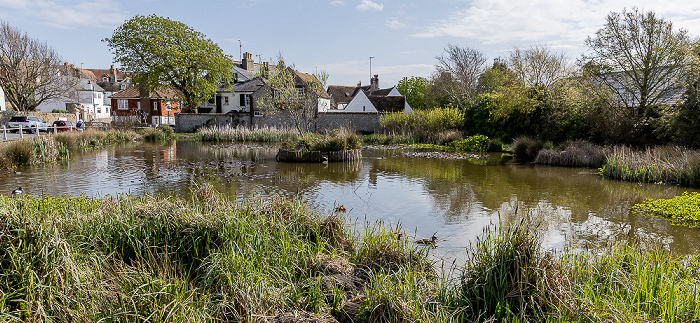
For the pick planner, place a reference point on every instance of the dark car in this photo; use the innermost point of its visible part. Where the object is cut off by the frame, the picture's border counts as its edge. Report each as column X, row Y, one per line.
column 61, row 125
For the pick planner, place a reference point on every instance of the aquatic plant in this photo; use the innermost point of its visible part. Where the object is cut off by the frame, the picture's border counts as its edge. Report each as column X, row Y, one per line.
column 681, row 210
column 577, row 153
column 665, row 164
column 245, row 134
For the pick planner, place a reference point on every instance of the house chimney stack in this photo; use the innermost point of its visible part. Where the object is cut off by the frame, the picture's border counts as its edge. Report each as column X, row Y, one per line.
column 374, row 83
column 359, row 83
column 248, row 63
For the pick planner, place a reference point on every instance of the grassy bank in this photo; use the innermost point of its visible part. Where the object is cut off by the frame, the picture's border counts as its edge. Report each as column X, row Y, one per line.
column 43, row 149
column 206, row 258
column 667, row 164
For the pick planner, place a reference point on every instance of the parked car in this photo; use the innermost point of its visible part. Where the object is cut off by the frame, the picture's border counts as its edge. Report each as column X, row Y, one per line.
column 61, row 125
column 28, row 123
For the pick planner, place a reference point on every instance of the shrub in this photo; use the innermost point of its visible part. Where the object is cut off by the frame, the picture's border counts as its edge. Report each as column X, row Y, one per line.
column 478, row 143
column 526, row 147
column 576, row 153
column 424, row 124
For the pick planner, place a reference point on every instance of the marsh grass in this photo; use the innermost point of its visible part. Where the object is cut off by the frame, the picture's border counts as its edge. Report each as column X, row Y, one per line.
column 44, row 149
column 665, row 164
column 161, row 133
column 245, row 134
column 332, row 140
column 526, row 148
column 576, row 153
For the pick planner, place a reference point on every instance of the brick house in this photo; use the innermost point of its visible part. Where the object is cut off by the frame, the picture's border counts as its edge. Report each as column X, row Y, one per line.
column 158, row 107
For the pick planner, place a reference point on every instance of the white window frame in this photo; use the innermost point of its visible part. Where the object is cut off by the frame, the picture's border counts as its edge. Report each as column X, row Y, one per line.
column 122, row 104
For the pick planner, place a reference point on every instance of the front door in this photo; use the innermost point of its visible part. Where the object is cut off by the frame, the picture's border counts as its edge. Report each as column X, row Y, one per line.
column 218, row 104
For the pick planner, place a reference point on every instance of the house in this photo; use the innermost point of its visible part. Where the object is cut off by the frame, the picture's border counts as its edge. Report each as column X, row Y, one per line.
column 250, row 86
column 367, row 99
column 111, row 80
column 87, row 101
column 157, row 107
column 3, row 104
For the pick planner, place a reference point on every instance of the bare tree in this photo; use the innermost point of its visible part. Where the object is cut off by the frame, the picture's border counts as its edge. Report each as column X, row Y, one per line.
column 458, row 72
column 538, row 66
column 639, row 58
column 293, row 93
column 31, row 72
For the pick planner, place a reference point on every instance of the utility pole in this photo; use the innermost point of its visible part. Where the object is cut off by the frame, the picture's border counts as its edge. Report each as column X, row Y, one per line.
column 370, row 68
column 240, row 51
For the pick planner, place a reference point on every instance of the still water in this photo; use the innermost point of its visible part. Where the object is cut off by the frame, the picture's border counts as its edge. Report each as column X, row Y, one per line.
column 455, row 199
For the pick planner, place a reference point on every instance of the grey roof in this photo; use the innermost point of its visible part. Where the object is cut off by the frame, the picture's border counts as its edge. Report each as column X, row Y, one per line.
column 83, row 85
column 249, row 86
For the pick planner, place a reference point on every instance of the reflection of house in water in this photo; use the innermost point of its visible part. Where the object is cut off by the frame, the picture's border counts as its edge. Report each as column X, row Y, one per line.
column 170, row 153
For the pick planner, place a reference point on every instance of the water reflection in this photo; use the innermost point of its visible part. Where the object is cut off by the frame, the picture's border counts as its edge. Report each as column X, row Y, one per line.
column 456, row 198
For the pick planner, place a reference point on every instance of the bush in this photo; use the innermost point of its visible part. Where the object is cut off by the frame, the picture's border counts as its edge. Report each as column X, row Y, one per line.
column 478, row 143
column 426, row 125
column 576, row 153
column 58, row 111
column 526, row 147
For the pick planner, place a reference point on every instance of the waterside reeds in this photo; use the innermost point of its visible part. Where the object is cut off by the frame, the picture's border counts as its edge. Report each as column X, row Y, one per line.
column 666, row 164
column 205, row 258
column 245, row 134
column 576, row 153
column 42, row 149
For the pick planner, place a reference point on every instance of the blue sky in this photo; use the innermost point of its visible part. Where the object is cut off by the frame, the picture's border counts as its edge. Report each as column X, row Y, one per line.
column 339, row 36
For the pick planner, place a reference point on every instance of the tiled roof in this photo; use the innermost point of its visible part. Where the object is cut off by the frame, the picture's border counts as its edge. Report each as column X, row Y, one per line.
column 133, row 93
column 340, row 93
column 388, row 103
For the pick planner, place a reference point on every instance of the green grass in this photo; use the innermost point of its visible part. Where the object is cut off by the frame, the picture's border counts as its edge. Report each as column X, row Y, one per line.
column 664, row 164
column 206, row 258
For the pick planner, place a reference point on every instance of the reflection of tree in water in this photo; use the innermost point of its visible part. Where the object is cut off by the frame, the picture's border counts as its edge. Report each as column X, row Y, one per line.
column 297, row 177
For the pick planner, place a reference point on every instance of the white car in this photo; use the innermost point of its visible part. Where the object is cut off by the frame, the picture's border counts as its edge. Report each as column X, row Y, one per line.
column 28, row 123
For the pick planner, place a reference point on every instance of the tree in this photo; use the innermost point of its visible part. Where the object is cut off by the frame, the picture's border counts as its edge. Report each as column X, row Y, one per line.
column 639, row 58
column 414, row 89
column 293, row 93
column 458, row 72
column 159, row 51
column 31, row 72
column 538, row 66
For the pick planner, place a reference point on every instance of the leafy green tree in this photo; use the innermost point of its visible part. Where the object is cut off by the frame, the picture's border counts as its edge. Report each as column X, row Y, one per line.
column 414, row 89
column 31, row 72
column 159, row 51
column 639, row 57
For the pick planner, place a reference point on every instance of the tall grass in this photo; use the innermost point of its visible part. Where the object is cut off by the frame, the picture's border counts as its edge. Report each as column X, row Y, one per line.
column 43, row 149
column 332, row 140
column 204, row 258
column 576, row 153
column 666, row 164
column 245, row 134
column 435, row 126
column 526, row 148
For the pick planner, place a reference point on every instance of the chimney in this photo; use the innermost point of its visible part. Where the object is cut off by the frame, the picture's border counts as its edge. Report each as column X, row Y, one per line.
column 248, row 63
column 359, row 83
column 112, row 74
column 265, row 69
column 374, row 83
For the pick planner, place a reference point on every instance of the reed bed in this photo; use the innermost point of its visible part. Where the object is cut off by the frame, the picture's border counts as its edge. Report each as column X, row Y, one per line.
column 206, row 258
column 665, row 164
column 43, row 149
column 245, row 134
column 576, row 153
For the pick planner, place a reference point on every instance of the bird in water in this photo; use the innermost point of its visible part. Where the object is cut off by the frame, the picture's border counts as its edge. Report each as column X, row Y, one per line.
column 17, row 191
column 427, row 242
column 341, row 208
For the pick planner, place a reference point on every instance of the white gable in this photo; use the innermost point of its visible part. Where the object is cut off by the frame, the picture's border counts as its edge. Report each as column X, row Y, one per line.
column 360, row 103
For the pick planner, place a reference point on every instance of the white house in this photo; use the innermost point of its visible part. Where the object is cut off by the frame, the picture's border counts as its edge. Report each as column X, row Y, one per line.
column 88, row 100
column 368, row 99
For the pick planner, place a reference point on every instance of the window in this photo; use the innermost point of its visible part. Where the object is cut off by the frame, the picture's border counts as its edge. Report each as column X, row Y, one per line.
column 123, row 86
column 123, row 104
column 99, row 110
column 225, row 100
column 257, row 113
column 155, row 106
column 212, row 100
column 300, row 93
column 168, row 106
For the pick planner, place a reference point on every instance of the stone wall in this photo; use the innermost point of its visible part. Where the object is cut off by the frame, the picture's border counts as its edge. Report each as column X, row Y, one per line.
column 47, row 116
column 190, row 122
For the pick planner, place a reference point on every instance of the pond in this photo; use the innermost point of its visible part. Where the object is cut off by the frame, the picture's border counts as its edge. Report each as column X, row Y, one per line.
column 454, row 198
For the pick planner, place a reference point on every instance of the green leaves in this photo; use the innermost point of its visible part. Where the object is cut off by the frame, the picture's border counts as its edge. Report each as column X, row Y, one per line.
column 162, row 52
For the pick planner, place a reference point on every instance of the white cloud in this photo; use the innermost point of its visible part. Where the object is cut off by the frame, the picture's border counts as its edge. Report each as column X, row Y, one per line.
column 370, row 5
column 395, row 23
column 561, row 23
column 337, row 3
column 67, row 15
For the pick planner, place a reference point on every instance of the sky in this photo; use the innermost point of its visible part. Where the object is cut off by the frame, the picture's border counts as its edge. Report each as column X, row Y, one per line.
column 399, row 38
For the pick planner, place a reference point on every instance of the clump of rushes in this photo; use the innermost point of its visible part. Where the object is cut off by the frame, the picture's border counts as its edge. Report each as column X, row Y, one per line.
column 577, row 153
column 681, row 210
column 332, row 140
column 526, row 148
column 666, row 164
column 507, row 276
column 125, row 258
column 245, row 134
column 161, row 133
column 43, row 149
